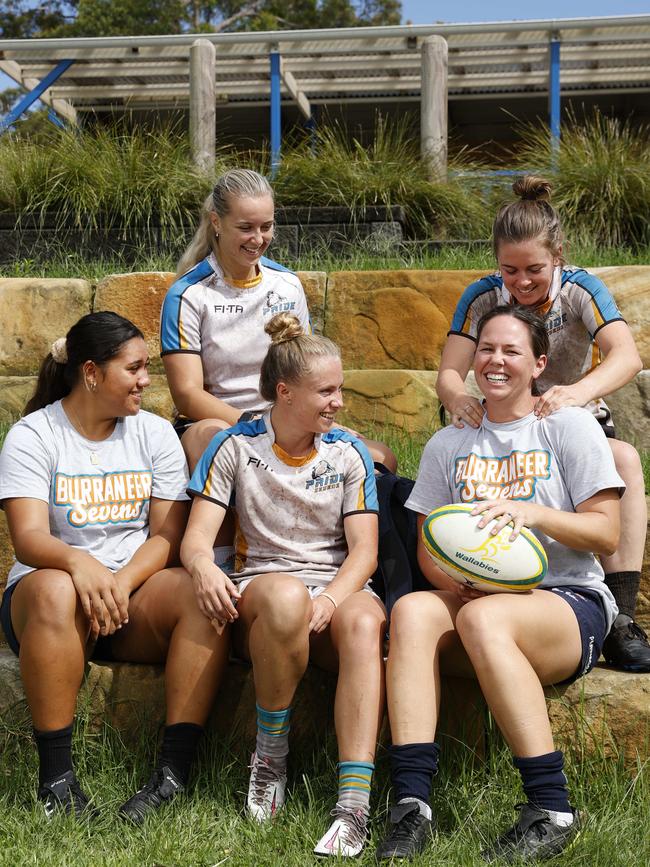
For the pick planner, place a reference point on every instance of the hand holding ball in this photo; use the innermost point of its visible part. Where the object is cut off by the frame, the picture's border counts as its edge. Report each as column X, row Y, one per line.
column 473, row 556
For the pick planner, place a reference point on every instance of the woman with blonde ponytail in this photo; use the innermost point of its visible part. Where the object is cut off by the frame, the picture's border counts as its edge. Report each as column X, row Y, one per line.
column 592, row 354
column 306, row 546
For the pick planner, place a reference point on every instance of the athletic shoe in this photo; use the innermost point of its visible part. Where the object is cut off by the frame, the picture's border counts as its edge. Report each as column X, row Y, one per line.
column 627, row 645
column 534, row 837
column 65, row 793
column 161, row 788
column 346, row 835
column 409, row 834
column 266, row 787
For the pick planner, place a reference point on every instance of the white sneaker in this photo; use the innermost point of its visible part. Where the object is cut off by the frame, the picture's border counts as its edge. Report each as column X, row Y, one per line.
column 346, row 835
column 266, row 788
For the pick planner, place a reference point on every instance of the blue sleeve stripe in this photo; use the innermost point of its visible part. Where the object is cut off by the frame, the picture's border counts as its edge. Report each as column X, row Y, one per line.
column 369, row 485
column 200, row 481
column 600, row 295
column 460, row 319
column 274, row 266
column 171, row 329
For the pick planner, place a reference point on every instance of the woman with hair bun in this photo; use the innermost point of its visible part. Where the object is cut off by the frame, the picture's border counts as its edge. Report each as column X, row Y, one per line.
column 212, row 328
column 592, row 354
column 306, row 544
column 94, row 493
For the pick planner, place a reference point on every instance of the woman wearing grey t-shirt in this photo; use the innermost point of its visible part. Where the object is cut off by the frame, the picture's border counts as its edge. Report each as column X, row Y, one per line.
column 94, row 493
column 514, row 644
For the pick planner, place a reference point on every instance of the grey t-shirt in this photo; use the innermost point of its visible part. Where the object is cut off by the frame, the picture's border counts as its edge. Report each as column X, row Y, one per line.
column 559, row 462
column 97, row 493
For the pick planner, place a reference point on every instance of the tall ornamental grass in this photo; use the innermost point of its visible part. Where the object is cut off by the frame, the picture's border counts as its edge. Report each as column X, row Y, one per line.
column 601, row 175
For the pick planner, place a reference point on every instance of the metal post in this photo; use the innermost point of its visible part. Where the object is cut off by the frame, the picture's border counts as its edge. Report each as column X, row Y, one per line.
column 30, row 98
column 433, row 107
column 276, row 116
column 202, row 104
column 554, row 103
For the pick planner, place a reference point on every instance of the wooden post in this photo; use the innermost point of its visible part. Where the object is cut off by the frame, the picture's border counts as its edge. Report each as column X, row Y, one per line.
column 433, row 107
column 202, row 104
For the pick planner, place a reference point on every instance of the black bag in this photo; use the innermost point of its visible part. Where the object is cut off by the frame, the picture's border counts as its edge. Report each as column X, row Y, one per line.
column 397, row 571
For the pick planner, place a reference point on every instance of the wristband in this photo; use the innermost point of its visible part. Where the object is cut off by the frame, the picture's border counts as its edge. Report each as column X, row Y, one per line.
column 331, row 599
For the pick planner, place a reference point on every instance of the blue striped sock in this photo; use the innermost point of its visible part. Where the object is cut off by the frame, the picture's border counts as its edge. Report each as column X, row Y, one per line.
column 355, row 779
column 273, row 732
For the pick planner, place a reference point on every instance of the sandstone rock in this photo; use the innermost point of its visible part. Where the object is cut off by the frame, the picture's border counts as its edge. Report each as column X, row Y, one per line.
column 393, row 319
column 403, row 399
column 6, row 559
column 629, row 286
column 606, row 711
column 642, row 613
column 139, row 297
column 630, row 408
column 15, row 391
column 35, row 312
column 157, row 397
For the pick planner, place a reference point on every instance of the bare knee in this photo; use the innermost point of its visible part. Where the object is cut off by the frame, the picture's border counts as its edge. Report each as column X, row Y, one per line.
column 479, row 628
column 360, row 627
column 197, row 438
column 627, row 460
column 283, row 605
column 410, row 618
column 52, row 602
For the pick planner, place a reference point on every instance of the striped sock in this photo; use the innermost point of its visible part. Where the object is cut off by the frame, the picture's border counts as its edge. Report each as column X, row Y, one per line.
column 273, row 732
column 355, row 779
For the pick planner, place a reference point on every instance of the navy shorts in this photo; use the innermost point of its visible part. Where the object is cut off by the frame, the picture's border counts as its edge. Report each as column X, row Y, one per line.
column 588, row 608
column 101, row 650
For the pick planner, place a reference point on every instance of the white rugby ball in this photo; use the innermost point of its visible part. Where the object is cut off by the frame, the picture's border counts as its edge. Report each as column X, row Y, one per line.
column 473, row 556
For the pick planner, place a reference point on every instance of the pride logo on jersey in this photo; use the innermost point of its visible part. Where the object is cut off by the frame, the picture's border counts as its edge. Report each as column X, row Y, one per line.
column 513, row 476
column 277, row 304
column 324, row 477
column 114, row 498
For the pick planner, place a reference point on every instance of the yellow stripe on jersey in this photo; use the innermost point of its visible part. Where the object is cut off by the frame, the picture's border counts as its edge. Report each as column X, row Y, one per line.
column 289, row 460
column 246, row 284
column 597, row 315
column 241, row 546
column 207, row 487
column 361, row 499
column 595, row 356
column 183, row 342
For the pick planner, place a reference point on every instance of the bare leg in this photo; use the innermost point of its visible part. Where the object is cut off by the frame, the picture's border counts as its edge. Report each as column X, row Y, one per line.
column 165, row 623
column 634, row 514
column 353, row 644
column 52, row 630
column 195, row 441
column 517, row 644
column 381, row 453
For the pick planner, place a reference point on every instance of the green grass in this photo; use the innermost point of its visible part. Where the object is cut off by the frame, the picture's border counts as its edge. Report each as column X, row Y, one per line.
column 472, row 801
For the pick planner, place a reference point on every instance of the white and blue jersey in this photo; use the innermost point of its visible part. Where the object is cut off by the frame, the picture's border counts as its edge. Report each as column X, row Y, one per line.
column 578, row 306
column 289, row 511
column 223, row 322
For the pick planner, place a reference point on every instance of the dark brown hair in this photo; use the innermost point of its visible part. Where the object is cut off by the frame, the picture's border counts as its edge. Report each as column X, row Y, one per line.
column 533, row 321
column 531, row 217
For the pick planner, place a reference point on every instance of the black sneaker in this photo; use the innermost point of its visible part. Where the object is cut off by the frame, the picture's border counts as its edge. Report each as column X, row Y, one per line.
column 161, row 788
column 409, row 834
column 65, row 793
column 627, row 646
column 535, row 837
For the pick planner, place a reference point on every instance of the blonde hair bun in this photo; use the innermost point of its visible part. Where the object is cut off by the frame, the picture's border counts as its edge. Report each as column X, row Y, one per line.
column 283, row 327
column 532, row 189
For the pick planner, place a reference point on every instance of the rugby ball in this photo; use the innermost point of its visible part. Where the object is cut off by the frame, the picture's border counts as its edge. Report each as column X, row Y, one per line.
column 473, row 556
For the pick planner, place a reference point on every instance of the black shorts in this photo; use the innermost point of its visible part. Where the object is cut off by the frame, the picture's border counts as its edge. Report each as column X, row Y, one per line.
column 587, row 605
column 182, row 424
column 606, row 421
column 101, row 649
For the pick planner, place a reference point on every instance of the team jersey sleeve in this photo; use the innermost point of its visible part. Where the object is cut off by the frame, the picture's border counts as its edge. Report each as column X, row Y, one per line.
column 215, row 473
column 302, row 311
column 433, row 483
column 586, row 460
column 170, row 476
column 180, row 317
column 477, row 299
column 360, row 489
column 26, row 465
column 597, row 306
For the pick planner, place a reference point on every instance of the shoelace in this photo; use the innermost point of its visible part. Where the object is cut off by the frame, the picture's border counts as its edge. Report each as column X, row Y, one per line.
column 264, row 775
column 402, row 832
column 537, row 825
column 635, row 631
column 356, row 825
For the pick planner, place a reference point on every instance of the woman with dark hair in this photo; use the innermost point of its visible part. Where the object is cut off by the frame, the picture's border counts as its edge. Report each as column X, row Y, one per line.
column 94, row 493
column 567, row 492
column 306, row 546
column 592, row 354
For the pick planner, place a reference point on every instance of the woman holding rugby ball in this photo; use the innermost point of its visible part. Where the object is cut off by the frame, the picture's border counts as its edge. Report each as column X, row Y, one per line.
column 94, row 493
column 514, row 643
column 584, row 326
column 213, row 317
column 305, row 500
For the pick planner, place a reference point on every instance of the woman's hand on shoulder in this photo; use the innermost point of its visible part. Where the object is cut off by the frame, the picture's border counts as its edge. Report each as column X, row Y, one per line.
column 322, row 610
column 215, row 592
column 465, row 409
column 557, row 397
column 103, row 599
column 503, row 512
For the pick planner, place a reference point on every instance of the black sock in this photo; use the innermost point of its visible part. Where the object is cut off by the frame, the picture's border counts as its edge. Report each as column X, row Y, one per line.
column 54, row 753
column 179, row 747
column 544, row 782
column 413, row 767
column 625, row 588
